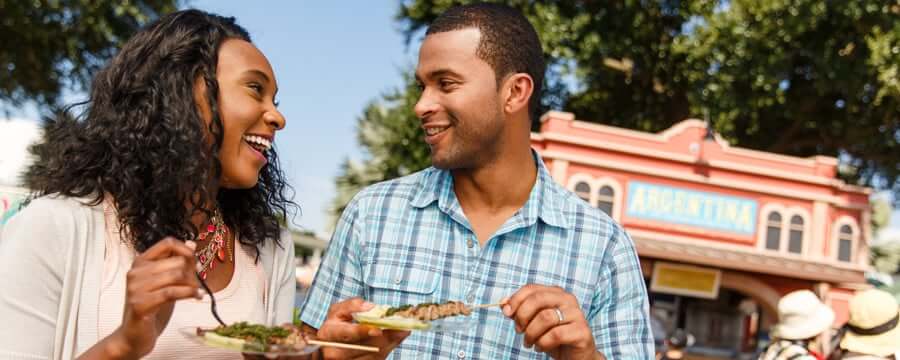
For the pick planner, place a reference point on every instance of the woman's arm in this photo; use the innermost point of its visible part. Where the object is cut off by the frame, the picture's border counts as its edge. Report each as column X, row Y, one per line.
column 34, row 246
column 159, row 277
column 287, row 283
column 39, row 257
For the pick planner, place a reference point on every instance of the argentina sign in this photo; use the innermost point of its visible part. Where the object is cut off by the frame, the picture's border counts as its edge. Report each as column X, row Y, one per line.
column 688, row 207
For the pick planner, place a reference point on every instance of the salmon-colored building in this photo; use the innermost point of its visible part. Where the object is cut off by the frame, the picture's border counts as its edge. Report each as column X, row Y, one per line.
column 722, row 232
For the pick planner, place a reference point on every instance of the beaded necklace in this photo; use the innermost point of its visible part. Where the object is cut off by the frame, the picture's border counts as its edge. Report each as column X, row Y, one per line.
column 217, row 247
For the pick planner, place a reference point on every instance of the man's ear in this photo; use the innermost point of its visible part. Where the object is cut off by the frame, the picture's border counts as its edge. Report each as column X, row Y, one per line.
column 517, row 91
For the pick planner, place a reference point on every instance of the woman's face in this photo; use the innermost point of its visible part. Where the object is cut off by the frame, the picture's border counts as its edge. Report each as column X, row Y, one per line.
column 248, row 111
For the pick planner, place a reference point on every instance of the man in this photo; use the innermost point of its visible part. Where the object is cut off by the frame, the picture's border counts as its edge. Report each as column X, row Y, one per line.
column 486, row 224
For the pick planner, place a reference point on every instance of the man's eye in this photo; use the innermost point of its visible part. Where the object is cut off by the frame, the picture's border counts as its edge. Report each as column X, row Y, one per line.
column 256, row 87
column 446, row 84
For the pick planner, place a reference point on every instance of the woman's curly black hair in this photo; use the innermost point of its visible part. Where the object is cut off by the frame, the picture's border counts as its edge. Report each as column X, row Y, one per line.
column 142, row 140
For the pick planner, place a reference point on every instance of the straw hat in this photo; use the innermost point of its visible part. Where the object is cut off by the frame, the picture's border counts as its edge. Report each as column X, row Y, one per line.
column 873, row 327
column 801, row 315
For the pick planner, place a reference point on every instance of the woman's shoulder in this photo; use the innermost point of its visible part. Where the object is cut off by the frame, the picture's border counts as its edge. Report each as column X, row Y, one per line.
column 60, row 223
column 273, row 254
column 281, row 247
column 57, row 208
column 63, row 201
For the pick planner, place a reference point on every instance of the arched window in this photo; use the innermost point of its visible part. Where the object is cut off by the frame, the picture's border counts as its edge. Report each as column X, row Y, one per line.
column 795, row 236
column 773, row 231
column 583, row 190
column 845, row 244
column 606, row 196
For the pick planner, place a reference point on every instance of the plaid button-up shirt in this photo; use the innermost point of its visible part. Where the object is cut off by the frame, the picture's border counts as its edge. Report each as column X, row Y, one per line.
column 407, row 241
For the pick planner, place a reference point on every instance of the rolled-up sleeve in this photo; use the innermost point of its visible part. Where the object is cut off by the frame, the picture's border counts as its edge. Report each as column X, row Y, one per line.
column 340, row 275
column 620, row 319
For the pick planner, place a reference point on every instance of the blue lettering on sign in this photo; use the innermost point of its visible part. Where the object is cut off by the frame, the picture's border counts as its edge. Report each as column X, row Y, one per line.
column 702, row 209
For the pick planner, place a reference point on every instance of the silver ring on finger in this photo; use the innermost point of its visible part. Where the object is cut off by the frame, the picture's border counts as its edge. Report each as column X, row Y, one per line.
column 560, row 316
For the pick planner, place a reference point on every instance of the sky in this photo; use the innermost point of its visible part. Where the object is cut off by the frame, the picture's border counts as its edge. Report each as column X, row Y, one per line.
column 330, row 60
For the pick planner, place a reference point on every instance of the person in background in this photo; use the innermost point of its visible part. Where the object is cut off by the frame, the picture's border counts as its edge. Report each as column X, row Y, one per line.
column 873, row 331
column 676, row 345
column 802, row 317
column 658, row 329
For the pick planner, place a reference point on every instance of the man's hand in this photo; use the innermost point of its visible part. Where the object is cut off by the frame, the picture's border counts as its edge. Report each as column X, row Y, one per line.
column 551, row 321
column 338, row 327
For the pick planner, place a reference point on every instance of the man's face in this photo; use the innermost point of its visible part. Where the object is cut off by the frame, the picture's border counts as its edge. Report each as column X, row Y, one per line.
column 459, row 106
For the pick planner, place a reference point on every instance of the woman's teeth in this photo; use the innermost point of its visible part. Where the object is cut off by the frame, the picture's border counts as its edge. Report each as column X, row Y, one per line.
column 259, row 143
column 434, row 130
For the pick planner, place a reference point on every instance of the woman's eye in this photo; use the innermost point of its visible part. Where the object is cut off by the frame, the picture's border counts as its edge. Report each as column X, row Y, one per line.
column 256, row 87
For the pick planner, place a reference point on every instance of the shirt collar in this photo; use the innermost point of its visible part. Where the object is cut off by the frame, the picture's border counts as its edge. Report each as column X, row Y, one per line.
column 545, row 202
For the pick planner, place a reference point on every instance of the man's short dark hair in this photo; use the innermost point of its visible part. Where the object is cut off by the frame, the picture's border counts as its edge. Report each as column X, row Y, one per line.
column 508, row 41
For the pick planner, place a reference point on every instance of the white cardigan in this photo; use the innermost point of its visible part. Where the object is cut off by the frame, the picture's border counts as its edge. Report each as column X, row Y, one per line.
column 51, row 263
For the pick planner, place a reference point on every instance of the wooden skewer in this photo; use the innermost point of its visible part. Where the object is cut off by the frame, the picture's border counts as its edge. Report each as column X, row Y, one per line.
column 482, row 306
column 344, row 346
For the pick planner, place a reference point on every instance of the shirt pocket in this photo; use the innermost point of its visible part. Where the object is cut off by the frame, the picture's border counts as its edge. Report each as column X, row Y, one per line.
column 394, row 285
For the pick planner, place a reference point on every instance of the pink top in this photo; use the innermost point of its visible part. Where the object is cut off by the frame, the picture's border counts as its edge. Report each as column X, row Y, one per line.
column 243, row 299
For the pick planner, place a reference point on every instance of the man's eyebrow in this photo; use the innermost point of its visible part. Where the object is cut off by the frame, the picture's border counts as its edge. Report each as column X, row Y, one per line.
column 438, row 73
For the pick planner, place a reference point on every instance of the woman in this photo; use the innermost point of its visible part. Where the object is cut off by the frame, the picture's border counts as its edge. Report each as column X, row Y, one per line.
column 873, row 331
column 802, row 318
column 170, row 172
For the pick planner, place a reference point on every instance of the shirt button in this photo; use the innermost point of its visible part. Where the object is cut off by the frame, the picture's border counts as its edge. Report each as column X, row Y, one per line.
column 461, row 354
column 470, row 244
column 397, row 281
column 471, row 299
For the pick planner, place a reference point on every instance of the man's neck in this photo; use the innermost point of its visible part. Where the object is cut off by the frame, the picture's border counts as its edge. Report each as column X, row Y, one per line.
column 501, row 184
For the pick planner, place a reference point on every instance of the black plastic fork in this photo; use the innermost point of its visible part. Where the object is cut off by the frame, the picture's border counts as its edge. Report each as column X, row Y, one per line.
column 212, row 299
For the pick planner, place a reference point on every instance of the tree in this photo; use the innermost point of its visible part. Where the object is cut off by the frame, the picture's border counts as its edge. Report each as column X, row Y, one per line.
column 886, row 257
column 392, row 142
column 50, row 45
column 884, row 250
column 881, row 213
column 797, row 77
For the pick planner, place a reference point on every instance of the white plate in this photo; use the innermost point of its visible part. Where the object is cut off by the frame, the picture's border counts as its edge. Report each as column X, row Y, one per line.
column 271, row 351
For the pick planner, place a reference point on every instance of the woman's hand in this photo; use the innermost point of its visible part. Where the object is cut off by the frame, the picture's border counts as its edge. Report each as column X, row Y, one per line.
column 160, row 276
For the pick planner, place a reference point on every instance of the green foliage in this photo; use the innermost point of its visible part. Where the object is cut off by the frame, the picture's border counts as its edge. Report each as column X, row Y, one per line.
column 797, row 77
column 886, row 257
column 881, row 213
column 392, row 140
column 52, row 44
